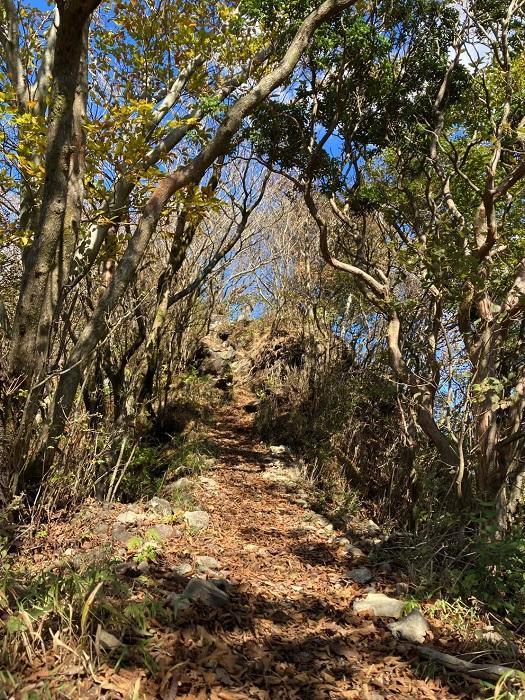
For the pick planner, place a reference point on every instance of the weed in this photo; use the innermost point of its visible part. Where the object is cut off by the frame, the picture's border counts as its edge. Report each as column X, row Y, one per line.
column 145, row 550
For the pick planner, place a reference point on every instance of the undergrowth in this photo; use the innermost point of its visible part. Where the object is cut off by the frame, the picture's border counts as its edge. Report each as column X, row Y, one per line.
column 75, row 612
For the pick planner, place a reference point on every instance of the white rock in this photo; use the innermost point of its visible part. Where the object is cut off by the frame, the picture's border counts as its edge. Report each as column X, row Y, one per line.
column 160, row 506
column 380, row 604
column 413, row 628
column 107, row 640
column 183, row 569
column 354, row 552
column 278, row 450
column 197, row 519
column 205, row 563
column 130, row 517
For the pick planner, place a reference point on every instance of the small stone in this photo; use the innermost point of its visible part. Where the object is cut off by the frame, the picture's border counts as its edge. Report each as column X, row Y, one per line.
column 370, row 542
column 278, row 450
column 401, row 588
column 354, row 552
column 360, row 575
column 120, row 534
column 178, row 602
column 182, row 484
column 159, row 506
column 101, row 528
column 197, row 519
column 371, row 528
column 205, row 564
column 385, row 567
column 199, row 590
column 129, row 517
column 182, row 569
column 341, row 541
column 380, row 605
column 143, row 567
column 161, row 532
column 69, row 552
column 208, row 482
column 107, row 640
column 325, row 523
column 413, row 628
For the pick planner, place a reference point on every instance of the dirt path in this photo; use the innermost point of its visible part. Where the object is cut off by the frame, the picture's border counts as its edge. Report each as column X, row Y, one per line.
column 289, row 631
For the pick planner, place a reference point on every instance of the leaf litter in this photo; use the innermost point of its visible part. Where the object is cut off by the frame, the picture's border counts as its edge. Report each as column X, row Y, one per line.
column 288, row 630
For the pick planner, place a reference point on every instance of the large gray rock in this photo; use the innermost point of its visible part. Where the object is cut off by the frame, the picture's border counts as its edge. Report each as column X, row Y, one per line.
column 379, row 604
column 413, row 628
column 200, row 591
column 159, row 506
column 197, row 519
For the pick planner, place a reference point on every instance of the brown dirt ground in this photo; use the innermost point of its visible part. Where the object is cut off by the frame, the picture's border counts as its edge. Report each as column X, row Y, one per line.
column 289, row 630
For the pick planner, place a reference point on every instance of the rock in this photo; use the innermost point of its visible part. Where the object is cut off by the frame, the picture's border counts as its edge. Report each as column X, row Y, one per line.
column 278, row 450
column 205, row 564
column 182, row 569
column 120, row 534
column 199, row 590
column 101, row 528
column 325, row 523
column 223, row 584
column 341, row 541
column 182, row 484
column 161, row 532
column 385, row 567
column 107, row 640
column 360, row 575
column 371, row 528
column 208, row 482
column 401, row 588
column 143, row 567
column 380, row 604
column 178, row 602
column 371, row 542
column 159, row 506
column 129, row 517
column 354, row 552
column 69, row 552
column 413, row 628
column 197, row 519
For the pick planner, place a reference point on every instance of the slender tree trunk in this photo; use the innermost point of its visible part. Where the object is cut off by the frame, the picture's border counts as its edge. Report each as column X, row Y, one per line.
column 31, row 335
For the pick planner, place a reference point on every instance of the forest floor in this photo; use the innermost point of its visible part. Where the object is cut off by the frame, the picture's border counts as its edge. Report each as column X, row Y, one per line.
column 287, row 631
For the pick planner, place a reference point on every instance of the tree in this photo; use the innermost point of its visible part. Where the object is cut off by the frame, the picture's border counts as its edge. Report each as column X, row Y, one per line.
column 422, row 162
column 152, row 123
